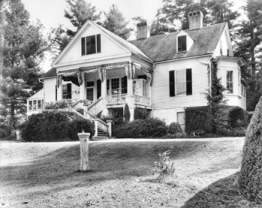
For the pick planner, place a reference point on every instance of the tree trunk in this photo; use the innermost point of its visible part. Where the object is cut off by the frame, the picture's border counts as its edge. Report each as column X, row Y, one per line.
column 250, row 179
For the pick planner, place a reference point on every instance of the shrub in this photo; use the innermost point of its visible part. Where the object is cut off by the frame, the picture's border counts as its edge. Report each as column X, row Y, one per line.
column 141, row 113
column 176, row 135
column 56, row 105
column 55, row 126
column 164, row 167
column 174, row 128
column 150, row 127
column 197, row 118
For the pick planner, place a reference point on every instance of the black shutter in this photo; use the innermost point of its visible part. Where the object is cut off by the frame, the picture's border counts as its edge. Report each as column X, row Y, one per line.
column 189, row 81
column 83, row 46
column 98, row 87
column 172, row 83
column 69, row 91
column 98, row 40
column 124, row 84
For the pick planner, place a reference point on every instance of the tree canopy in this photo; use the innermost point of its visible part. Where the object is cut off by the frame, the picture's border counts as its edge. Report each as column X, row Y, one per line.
column 115, row 22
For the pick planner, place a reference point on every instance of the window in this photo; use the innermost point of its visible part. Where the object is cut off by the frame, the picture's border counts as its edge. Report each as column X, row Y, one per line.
column 30, row 105
column 229, row 83
column 39, row 104
column 90, row 45
column 181, row 43
column 90, row 93
column 115, row 86
column 243, row 90
column 34, row 105
column 90, row 84
column 180, row 82
column 98, row 88
column 67, row 91
column 181, row 120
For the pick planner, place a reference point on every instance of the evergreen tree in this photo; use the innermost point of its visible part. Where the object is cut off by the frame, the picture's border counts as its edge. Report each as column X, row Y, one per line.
column 115, row 22
column 78, row 12
column 24, row 47
column 214, row 11
column 248, row 38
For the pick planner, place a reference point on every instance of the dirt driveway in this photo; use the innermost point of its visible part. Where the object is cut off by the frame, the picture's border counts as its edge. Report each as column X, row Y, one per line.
column 45, row 174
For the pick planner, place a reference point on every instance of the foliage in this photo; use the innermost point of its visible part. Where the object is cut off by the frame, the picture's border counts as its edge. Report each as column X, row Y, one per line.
column 247, row 38
column 23, row 49
column 174, row 128
column 115, row 22
column 126, row 112
column 176, row 135
column 55, row 126
column 164, row 167
column 141, row 113
column 197, row 118
column 150, row 127
column 214, row 11
column 56, row 105
column 250, row 182
column 78, row 12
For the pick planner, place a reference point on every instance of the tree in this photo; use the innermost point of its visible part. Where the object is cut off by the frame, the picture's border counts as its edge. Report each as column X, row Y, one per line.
column 214, row 11
column 115, row 22
column 248, row 38
column 250, row 182
column 78, row 13
column 24, row 48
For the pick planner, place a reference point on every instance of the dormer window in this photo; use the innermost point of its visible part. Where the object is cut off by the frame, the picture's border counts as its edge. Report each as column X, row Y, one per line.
column 91, row 44
column 181, row 43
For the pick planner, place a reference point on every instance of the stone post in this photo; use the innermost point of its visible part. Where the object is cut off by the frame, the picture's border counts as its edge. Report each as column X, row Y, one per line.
column 84, row 151
column 96, row 127
column 109, row 122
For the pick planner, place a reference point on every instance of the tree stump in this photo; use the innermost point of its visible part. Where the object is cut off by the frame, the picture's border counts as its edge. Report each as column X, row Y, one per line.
column 250, row 179
column 84, row 151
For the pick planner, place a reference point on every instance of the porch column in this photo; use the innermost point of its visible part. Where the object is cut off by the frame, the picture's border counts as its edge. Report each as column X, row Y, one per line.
column 130, row 99
column 82, row 87
column 103, row 85
column 60, row 92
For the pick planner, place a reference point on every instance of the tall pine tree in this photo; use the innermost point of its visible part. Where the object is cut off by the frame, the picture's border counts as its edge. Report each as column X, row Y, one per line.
column 115, row 22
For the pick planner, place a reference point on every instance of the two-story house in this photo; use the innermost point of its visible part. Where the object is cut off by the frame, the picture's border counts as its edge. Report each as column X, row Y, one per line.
column 165, row 73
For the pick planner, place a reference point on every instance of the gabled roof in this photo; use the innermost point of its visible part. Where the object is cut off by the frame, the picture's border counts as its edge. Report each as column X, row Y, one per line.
column 50, row 73
column 132, row 48
column 163, row 47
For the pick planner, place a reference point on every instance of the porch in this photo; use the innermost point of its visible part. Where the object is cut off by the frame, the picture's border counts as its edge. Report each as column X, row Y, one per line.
column 108, row 86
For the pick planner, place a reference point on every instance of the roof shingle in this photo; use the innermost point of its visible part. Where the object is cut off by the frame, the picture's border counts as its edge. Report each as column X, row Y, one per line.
column 163, row 47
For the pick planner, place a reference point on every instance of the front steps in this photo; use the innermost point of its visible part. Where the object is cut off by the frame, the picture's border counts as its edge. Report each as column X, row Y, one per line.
column 101, row 135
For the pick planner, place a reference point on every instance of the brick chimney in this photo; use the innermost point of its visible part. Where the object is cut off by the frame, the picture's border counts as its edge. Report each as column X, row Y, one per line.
column 195, row 20
column 143, row 30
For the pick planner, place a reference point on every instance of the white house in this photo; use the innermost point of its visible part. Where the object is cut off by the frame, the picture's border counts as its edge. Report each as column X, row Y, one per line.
column 165, row 73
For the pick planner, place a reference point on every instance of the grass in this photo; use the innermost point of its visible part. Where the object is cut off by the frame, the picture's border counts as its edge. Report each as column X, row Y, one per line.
column 46, row 175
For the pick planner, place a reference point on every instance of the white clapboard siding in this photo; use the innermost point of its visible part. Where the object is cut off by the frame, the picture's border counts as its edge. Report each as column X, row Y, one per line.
column 161, row 98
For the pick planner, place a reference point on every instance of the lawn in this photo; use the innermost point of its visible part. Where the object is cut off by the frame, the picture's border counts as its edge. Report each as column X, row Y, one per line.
column 46, row 174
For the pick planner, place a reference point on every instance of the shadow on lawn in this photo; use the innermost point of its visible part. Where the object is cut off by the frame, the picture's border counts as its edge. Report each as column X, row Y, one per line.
column 108, row 161
column 223, row 193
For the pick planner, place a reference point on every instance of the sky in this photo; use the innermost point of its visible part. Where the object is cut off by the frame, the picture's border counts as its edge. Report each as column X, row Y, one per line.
column 51, row 12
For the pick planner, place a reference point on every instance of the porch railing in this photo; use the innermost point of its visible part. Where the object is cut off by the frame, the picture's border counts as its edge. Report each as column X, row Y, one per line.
column 116, row 99
column 141, row 100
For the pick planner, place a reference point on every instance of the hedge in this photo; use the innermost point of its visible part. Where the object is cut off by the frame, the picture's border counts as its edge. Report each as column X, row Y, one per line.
column 55, row 126
column 141, row 128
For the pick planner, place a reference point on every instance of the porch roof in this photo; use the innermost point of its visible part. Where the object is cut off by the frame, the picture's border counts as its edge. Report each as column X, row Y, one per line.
column 50, row 73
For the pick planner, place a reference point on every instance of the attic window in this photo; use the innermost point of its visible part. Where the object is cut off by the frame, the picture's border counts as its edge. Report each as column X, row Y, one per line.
column 90, row 45
column 181, row 43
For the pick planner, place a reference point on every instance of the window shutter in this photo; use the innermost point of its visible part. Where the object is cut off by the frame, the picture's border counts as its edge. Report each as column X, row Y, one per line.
column 98, row 85
column 69, row 91
column 55, row 92
column 83, row 46
column 98, row 40
column 124, row 84
column 171, row 83
column 189, row 81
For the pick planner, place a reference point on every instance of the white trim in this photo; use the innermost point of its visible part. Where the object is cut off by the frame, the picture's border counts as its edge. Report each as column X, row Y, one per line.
column 93, row 60
column 192, row 57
